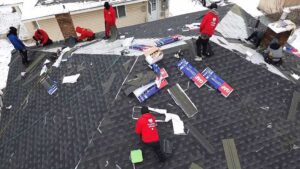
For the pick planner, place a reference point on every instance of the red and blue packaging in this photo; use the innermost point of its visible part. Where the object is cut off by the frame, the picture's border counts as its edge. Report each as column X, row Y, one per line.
column 216, row 82
column 140, row 47
column 191, row 72
column 145, row 92
column 167, row 40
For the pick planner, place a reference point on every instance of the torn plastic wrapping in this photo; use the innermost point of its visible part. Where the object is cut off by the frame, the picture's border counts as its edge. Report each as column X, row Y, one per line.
column 167, row 40
column 177, row 123
column 59, row 59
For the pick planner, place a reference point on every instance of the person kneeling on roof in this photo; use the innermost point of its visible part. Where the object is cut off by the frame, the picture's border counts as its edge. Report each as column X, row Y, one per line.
column 41, row 37
column 146, row 128
column 85, row 34
column 273, row 54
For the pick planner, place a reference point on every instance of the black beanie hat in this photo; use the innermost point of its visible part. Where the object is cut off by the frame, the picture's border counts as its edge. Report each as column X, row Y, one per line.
column 144, row 110
column 275, row 44
column 106, row 5
column 213, row 6
column 13, row 30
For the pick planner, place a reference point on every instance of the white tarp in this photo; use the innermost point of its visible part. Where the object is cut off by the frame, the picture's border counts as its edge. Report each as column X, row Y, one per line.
column 233, row 26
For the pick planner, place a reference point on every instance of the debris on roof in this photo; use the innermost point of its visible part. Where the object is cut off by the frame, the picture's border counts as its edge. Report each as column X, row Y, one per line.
column 71, row 79
column 88, row 125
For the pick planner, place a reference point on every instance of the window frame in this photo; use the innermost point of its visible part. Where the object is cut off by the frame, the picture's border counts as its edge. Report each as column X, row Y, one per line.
column 117, row 11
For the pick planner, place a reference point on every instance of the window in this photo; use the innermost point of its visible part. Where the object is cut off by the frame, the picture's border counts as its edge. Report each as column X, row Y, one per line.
column 120, row 10
column 153, row 2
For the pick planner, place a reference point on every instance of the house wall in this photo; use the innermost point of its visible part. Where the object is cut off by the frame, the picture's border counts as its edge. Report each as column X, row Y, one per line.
column 135, row 14
column 52, row 28
column 94, row 20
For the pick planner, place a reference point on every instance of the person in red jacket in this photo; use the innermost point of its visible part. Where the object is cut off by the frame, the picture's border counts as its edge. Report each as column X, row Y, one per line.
column 41, row 37
column 146, row 128
column 109, row 18
column 207, row 29
column 85, row 34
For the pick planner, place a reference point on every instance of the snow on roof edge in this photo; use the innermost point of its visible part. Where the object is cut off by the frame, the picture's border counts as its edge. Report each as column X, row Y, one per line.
column 30, row 11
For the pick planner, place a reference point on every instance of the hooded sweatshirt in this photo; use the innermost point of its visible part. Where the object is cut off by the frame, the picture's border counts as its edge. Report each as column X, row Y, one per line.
column 41, row 35
column 110, row 16
column 146, row 127
column 209, row 23
column 84, row 33
column 275, row 50
column 16, row 42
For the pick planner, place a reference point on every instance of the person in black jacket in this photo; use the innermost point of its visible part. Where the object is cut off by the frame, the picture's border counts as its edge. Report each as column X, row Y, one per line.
column 18, row 44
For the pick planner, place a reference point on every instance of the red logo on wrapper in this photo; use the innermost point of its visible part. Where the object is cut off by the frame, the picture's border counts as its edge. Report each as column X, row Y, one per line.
column 163, row 83
column 225, row 89
column 164, row 74
column 199, row 80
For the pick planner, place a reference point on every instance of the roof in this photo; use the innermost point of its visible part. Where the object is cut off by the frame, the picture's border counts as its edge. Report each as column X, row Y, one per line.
column 53, row 2
column 42, row 131
column 42, row 9
column 10, row 2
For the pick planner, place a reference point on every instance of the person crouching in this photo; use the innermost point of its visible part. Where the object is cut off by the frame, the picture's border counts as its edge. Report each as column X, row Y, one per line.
column 85, row 34
column 273, row 54
column 41, row 37
column 146, row 128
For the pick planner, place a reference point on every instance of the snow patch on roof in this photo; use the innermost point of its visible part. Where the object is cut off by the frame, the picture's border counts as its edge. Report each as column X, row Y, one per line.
column 11, row 2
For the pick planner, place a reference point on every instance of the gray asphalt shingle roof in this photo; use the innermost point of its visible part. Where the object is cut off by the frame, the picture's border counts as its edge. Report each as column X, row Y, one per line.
column 44, row 132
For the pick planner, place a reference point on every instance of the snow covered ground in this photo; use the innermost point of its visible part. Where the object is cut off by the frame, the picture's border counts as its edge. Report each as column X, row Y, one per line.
column 179, row 7
column 5, row 55
column 7, row 19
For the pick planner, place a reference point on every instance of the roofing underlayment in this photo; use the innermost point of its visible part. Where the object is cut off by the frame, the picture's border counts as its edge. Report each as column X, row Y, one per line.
column 89, row 125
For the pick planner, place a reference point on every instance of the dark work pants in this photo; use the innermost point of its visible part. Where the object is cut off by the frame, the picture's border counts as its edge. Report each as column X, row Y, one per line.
column 202, row 45
column 203, row 2
column 156, row 148
column 49, row 42
column 91, row 38
column 23, row 53
column 256, row 37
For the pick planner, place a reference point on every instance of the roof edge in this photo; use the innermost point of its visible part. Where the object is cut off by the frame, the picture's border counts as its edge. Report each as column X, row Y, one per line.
column 82, row 10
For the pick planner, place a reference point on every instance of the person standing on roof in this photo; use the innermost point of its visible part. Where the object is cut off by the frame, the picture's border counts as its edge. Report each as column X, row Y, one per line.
column 146, row 128
column 41, row 37
column 109, row 18
column 207, row 29
column 18, row 44
column 85, row 34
